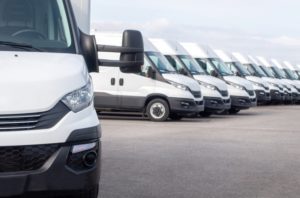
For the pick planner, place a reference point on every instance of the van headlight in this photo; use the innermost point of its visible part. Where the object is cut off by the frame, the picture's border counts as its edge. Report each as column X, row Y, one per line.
column 208, row 86
column 257, row 84
column 179, row 86
column 237, row 86
column 80, row 98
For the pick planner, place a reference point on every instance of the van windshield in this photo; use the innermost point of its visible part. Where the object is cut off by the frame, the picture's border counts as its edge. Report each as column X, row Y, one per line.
column 192, row 65
column 269, row 72
column 291, row 74
column 27, row 25
column 237, row 66
column 258, row 70
column 160, row 62
column 279, row 73
column 222, row 68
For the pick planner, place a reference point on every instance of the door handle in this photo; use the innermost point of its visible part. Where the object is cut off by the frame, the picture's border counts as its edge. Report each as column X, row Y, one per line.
column 121, row 82
column 113, row 81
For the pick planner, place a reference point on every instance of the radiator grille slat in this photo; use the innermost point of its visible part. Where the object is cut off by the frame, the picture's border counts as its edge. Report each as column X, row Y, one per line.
column 33, row 121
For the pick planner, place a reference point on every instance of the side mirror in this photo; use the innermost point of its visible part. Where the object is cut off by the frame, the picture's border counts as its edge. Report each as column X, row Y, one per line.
column 132, row 53
column 151, row 73
column 214, row 73
column 89, row 51
column 183, row 72
column 134, row 40
column 238, row 74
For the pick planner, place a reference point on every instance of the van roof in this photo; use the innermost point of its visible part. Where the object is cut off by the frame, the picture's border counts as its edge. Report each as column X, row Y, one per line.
column 290, row 66
column 168, row 47
column 199, row 51
column 277, row 64
column 263, row 61
column 253, row 60
column 224, row 56
column 241, row 58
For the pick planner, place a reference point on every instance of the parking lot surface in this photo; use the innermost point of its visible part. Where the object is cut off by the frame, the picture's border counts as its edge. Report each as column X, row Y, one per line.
column 255, row 154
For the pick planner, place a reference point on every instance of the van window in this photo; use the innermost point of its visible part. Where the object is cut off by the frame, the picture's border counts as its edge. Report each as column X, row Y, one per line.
column 192, row 65
column 145, row 67
column 233, row 68
column 42, row 24
column 174, row 62
column 160, row 62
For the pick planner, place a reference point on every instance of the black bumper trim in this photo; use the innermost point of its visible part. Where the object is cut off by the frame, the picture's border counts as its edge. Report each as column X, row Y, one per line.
column 262, row 96
column 214, row 104
column 55, row 175
column 240, row 102
column 185, row 106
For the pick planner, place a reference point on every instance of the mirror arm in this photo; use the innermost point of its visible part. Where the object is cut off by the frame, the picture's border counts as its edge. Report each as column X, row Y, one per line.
column 117, row 49
column 115, row 63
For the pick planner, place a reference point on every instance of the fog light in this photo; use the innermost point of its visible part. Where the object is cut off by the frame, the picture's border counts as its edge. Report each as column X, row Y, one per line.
column 83, row 147
column 90, row 159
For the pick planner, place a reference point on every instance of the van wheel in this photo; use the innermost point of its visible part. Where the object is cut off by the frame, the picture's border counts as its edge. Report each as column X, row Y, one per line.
column 233, row 111
column 175, row 117
column 158, row 110
column 205, row 114
column 88, row 193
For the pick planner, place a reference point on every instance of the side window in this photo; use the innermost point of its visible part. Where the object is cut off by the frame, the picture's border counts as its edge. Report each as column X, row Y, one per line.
column 251, row 70
column 145, row 67
column 206, row 66
column 177, row 66
column 233, row 68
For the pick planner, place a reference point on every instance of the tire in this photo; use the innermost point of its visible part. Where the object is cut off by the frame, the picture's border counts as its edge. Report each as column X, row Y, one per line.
column 158, row 110
column 88, row 193
column 233, row 111
column 175, row 117
column 205, row 114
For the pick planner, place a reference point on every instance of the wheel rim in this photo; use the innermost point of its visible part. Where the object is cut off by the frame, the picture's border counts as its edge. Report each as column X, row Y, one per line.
column 157, row 110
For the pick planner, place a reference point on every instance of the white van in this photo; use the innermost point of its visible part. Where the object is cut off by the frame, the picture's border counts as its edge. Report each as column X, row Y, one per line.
column 240, row 90
column 292, row 72
column 49, row 130
column 268, row 69
column 284, row 74
column 214, row 90
column 158, row 92
column 253, row 66
column 260, row 86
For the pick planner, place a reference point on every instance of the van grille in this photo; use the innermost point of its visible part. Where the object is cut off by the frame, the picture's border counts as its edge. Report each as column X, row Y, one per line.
column 33, row 121
column 251, row 93
column 224, row 93
column 25, row 158
column 196, row 94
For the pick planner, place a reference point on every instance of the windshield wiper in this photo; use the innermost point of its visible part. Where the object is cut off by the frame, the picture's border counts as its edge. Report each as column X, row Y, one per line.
column 23, row 46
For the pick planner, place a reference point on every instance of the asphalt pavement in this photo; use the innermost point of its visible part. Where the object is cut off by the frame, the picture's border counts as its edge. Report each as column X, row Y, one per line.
column 255, row 154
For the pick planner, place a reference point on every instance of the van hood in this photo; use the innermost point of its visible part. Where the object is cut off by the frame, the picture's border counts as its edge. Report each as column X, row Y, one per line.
column 213, row 81
column 32, row 82
column 292, row 83
column 258, row 80
column 240, row 81
column 273, row 80
column 181, row 79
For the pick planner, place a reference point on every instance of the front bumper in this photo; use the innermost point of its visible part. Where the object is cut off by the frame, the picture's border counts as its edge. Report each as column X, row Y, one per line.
column 185, row 106
column 216, row 104
column 262, row 96
column 288, row 97
column 61, row 172
column 241, row 102
column 276, row 96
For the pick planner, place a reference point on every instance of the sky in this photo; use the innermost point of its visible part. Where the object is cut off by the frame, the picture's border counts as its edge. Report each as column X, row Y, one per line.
column 269, row 28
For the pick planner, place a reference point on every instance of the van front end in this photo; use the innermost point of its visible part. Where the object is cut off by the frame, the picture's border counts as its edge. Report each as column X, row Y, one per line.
column 186, row 100
column 241, row 99
column 215, row 100
column 34, row 161
column 55, row 149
